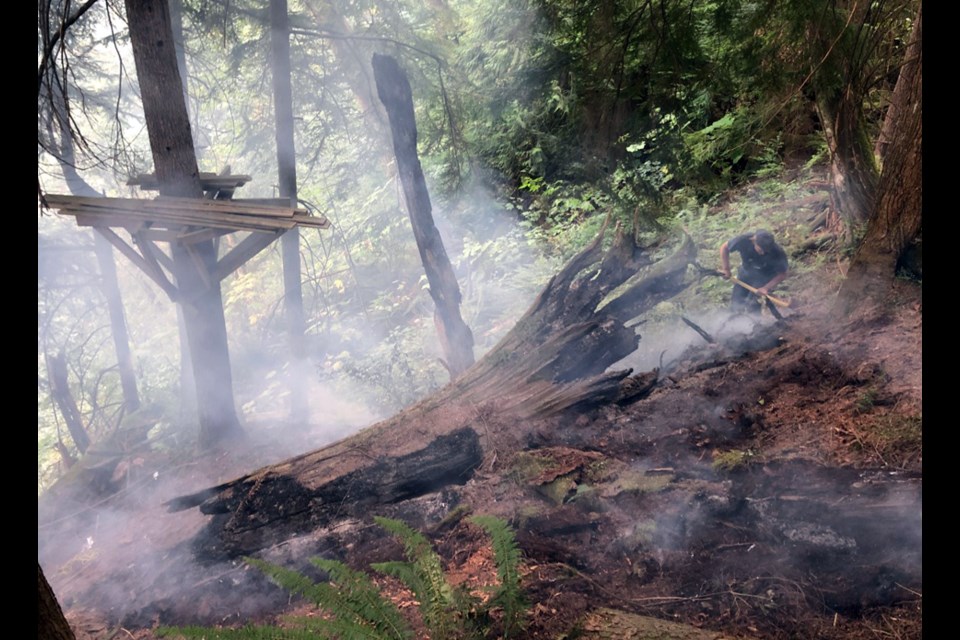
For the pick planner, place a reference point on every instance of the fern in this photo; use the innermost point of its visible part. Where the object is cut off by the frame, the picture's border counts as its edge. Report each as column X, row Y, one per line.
column 424, row 576
column 507, row 557
column 357, row 610
column 246, row 633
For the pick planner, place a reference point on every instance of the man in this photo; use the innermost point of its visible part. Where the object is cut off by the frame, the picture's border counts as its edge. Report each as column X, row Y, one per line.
column 763, row 266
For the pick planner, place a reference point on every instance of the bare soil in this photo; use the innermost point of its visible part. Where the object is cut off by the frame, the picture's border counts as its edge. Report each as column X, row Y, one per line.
column 768, row 487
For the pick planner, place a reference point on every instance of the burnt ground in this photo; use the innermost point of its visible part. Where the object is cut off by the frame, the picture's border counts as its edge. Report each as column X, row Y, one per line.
column 770, row 487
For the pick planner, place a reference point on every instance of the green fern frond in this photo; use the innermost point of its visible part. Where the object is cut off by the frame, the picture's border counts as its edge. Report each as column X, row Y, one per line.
column 507, row 557
column 245, row 633
column 295, row 582
column 358, row 595
column 430, row 585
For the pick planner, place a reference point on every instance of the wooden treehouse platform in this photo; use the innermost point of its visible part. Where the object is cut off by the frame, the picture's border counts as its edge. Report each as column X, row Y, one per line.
column 186, row 222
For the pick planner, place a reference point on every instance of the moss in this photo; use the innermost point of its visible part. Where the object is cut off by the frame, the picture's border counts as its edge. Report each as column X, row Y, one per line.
column 733, row 459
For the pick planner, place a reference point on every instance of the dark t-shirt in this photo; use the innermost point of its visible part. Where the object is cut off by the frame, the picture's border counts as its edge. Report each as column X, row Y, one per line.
column 757, row 270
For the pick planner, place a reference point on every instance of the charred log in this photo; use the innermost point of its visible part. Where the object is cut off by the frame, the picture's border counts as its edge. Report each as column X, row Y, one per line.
column 553, row 361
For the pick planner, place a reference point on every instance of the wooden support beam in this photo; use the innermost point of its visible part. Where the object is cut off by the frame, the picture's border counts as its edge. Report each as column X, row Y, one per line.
column 158, row 277
column 248, row 247
column 200, row 265
column 194, row 236
column 154, row 253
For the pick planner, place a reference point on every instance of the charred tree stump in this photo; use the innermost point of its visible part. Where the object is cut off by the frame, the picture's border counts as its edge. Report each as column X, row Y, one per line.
column 456, row 339
column 553, row 361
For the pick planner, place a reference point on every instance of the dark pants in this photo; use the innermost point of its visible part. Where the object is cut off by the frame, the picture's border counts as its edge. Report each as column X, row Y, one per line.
column 743, row 301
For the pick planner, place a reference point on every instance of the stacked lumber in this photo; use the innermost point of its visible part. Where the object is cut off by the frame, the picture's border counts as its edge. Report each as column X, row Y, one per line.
column 177, row 213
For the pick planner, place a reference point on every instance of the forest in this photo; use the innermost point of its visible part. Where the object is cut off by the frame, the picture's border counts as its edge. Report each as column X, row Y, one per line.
column 386, row 319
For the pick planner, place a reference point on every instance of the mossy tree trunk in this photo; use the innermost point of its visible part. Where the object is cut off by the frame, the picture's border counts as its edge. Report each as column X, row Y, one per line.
column 897, row 220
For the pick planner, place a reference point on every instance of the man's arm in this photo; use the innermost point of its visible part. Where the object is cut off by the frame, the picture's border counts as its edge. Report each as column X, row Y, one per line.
column 770, row 286
column 725, row 259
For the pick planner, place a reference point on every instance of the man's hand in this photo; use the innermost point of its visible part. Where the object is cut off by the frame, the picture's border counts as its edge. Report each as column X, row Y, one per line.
column 725, row 272
column 762, row 291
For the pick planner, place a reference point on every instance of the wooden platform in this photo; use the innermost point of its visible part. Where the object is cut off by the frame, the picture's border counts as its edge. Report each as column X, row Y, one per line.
column 186, row 222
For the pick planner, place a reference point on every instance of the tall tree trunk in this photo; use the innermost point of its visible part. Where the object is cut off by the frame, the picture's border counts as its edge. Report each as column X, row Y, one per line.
column 298, row 371
column 108, row 268
column 456, row 339
column 898, row 217
column 51, row 625
column 176, row 166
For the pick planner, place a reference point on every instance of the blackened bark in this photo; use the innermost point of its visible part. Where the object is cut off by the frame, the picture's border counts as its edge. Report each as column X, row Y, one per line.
column 899, row 100
column 51, row 624
column 456, row 339
column 171, row 142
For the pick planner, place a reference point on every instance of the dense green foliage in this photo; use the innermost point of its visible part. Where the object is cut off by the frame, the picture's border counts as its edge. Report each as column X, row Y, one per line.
column 354, row 609
column 536, row 119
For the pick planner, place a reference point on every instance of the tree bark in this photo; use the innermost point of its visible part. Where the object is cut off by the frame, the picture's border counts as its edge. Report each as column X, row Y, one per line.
column 853, row 171
column 554, row 361
column 51, row 624
column 176, row 166
column 899, row 100
column 456, row 339
column 298, row 371
column 898, row 217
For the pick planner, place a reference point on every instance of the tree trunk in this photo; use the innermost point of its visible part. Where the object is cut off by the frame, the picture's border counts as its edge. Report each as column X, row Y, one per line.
column 898, row 216
column 108, row 268
column 60, row 390
column 176, row 167
column 51, row 625
column 298, row 371
column 899, row 100
column 853, row 171
column 456, row 339
column 553, row 361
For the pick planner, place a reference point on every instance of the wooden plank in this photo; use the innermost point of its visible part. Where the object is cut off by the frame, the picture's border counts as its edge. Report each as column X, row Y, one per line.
column 240, row 254
column 209, row 181
column 199, row 235
column 192, row 205
column 160, row 235
column 159, row 278
column 220, row 220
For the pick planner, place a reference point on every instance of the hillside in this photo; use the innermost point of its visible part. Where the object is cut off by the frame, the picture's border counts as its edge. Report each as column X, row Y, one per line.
column 767, row 487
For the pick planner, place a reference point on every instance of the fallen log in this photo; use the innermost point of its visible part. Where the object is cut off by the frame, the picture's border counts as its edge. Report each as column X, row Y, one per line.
column 553, row 361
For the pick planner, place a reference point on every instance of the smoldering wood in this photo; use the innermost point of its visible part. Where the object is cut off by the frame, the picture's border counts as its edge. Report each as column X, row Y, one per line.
column 553, row 362
column 693, row 325
column 456, row 339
